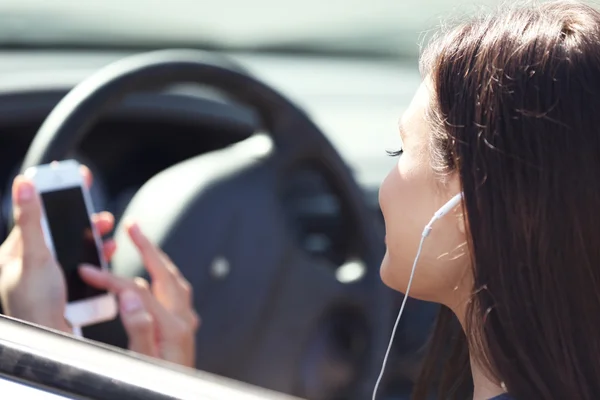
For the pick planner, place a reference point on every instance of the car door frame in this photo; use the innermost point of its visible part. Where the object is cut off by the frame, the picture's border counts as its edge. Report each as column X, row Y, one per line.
column 82, row 369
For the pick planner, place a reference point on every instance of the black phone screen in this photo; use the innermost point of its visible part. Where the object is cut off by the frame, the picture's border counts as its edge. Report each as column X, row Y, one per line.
column 73, row 239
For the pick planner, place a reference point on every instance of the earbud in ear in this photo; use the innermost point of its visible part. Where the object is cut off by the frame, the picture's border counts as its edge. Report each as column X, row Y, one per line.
column 446, row 208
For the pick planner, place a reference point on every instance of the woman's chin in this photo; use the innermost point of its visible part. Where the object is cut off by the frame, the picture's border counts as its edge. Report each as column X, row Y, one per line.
column 386, row 271
column 393, row 277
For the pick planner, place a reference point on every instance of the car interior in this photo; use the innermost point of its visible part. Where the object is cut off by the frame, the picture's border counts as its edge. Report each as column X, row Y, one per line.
column 256, row 169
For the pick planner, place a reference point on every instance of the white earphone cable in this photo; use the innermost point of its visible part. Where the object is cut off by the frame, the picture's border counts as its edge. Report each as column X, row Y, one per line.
column 412, row 274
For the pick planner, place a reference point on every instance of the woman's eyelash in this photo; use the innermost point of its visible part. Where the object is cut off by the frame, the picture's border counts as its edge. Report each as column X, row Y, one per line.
column 394, row 153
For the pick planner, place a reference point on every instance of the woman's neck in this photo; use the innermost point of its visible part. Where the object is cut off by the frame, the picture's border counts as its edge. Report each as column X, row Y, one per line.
column 483, row 387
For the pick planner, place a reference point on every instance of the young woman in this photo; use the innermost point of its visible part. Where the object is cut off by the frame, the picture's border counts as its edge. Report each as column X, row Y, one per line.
column 509, row 115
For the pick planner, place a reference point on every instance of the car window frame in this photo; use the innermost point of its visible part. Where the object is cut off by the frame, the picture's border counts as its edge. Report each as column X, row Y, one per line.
column 77, row 368
column 12, row 389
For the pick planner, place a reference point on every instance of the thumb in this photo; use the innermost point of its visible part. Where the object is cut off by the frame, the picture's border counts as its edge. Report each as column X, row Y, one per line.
column 138, row 323
column 28, row 212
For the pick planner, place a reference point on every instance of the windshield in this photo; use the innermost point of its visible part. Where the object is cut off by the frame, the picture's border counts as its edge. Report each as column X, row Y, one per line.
column 391, row 27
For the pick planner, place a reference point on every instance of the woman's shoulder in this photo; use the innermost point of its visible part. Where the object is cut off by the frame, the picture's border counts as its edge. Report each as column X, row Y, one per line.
column 503, row 397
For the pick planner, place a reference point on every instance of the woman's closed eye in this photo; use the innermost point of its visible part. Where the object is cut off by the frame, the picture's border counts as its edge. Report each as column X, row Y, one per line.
column 394, row 153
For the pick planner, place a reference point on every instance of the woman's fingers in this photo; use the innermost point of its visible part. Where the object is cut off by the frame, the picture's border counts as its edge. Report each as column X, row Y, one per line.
column 173, row 334
column 27, row 208
column 151, row 255
column 193, row 320
column 171, row 289
column 104, row 222
column 87, row 176
column 138, row 323
column 104, row 280
column 11, row 247
column 109, row 247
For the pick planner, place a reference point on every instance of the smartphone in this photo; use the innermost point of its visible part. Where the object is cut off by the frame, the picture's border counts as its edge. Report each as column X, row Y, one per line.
column 72, row 238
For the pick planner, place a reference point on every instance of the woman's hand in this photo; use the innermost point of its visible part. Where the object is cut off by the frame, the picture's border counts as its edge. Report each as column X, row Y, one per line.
column 32, row 285
column 159, row 317
column 160, row 321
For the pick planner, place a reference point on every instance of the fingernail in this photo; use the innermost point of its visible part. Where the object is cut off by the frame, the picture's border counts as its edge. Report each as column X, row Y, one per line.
column 134, row 230
column 25, row 191
column 134, row 227
column 130, row 301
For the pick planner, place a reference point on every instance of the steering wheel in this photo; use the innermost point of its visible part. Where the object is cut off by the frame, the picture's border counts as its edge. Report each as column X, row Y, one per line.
column 273, row 316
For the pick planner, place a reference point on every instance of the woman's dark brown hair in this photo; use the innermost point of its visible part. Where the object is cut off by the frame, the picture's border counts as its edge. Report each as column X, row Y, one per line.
column 516, row 114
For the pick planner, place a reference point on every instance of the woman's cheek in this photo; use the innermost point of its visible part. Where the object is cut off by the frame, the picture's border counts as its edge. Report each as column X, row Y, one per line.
column 391, row 189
